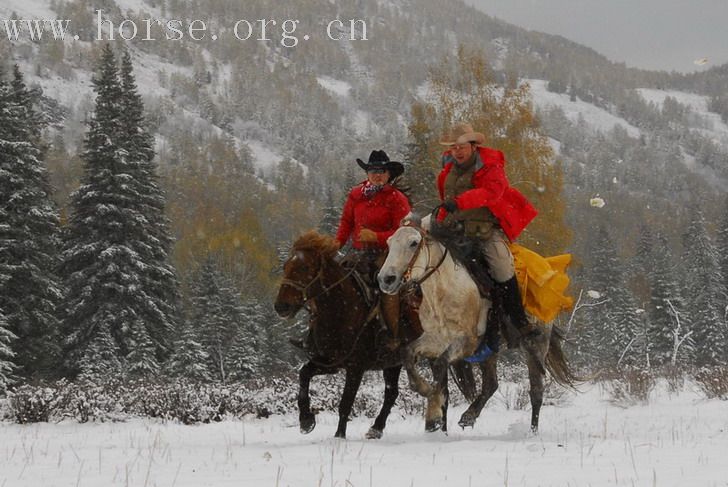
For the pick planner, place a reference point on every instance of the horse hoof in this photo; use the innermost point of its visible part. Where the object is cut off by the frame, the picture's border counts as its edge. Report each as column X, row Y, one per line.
column 340, row 434
column 307, row 424
column 433, row 425
column 374, row 434
column 467, row 420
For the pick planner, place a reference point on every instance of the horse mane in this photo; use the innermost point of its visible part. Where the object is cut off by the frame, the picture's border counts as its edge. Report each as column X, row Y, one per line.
column 325, row 245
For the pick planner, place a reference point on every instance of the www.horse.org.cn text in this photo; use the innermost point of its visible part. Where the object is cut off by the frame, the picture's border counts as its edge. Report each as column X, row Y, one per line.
column 287, row 32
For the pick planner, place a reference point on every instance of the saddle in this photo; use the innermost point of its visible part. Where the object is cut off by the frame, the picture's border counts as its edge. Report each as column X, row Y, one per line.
column 468, row 252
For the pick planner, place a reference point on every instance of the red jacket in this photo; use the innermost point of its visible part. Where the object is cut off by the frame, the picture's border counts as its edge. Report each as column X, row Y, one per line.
column 381, row 214
column 491, row 189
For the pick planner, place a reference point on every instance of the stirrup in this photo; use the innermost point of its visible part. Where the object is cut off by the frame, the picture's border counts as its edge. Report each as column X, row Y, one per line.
column 481, row 353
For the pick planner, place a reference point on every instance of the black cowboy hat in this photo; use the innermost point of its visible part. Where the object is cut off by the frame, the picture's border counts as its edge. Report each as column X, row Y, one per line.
column 379, row 159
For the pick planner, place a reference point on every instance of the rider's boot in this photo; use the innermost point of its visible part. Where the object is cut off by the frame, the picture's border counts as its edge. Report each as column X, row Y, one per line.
column 390, row 313
column 531, row 334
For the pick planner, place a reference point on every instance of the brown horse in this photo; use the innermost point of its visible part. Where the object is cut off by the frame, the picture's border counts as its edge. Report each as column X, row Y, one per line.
column 343, row 327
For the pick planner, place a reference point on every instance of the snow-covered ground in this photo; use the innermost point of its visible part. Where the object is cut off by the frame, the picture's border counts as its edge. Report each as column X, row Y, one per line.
column 675, row 440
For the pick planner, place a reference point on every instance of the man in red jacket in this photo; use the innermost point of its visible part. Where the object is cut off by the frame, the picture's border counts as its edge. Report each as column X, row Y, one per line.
column 479, row 202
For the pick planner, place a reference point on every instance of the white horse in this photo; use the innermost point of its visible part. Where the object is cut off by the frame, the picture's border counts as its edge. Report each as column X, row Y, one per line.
column 454, row 315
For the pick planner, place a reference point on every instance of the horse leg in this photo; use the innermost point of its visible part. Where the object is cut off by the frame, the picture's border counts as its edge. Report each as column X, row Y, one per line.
column 306, row 419
column 353, row 380
column 446, row 396
column 535, row 377
column 437, row 400
column 391, row 391
column 416, row 381
column 489, row 371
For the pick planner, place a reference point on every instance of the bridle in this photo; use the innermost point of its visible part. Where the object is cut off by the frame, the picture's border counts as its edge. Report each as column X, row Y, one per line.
column 304, row 289
column 414, row 283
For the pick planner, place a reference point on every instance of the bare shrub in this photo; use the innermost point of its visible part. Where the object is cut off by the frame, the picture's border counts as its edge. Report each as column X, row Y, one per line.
column 713, row 381
column 631, row 385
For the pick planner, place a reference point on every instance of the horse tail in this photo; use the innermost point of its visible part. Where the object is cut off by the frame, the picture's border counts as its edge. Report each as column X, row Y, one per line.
column 557, row 363
column 462, row 373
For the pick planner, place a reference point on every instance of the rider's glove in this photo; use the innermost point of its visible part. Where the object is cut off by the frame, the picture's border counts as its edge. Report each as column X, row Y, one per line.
column 369, row 236
column 450, row 206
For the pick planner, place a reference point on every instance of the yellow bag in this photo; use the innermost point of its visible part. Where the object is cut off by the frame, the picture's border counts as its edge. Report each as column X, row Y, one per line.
column 542, row 281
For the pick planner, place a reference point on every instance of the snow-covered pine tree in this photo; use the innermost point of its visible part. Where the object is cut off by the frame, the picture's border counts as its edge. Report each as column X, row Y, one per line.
column 331, row 214
column 7, row 364
column 276, row 354
column 100, row 358
column 627, row 329
column 159, row 277
column 116, row 312
column 217, row 315
column 246, row 355
column 656, row 262
column 29, row 241
column 722, row 243
column 623, row 336
column 189, row 358
column 702, row 293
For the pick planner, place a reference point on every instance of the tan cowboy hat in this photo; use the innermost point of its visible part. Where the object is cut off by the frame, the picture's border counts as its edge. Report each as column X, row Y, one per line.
column 462, row 133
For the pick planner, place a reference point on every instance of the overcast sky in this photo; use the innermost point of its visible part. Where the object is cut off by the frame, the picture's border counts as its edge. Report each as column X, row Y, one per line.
column 651, row 34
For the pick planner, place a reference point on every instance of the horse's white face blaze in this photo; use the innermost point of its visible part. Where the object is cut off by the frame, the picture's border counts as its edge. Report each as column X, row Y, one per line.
column 402, row 247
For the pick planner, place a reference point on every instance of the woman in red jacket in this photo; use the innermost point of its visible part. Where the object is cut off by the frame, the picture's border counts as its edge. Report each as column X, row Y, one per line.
column 478, row 201
column 372, row 213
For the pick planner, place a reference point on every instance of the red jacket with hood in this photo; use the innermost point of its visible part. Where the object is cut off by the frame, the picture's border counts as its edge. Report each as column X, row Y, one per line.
column 491, row 189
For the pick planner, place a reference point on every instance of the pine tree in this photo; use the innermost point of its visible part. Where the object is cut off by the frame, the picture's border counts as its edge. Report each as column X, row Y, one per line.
column 665, row 299
column 29, row 288
column 189, row 359
column 627, row 330
column 118, row 310
column 331, row 214
column 604, row 277
column 7, row 364
column 159, row 277
column 702, row 293
column 217, row 314
column 101, row 356
column 722, row 243
column 246, row 356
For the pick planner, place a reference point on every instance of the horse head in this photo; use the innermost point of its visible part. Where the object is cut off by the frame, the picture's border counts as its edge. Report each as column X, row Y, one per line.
column 303, row 272
column 404, row 247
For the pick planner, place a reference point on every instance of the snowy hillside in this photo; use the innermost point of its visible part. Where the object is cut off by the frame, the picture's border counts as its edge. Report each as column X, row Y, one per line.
column 676, row 440
column 702, row 120
column 597, row 119
column 74, row 91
